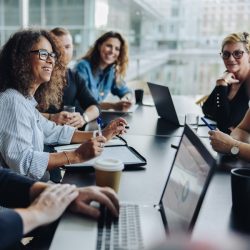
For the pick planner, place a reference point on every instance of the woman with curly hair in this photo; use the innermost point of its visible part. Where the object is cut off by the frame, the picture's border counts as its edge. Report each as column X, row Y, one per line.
column 104, row 67
column 75, row 92
column 30, row 60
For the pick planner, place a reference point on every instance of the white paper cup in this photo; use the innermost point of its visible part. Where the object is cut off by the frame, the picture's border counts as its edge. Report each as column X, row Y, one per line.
column 108, row 172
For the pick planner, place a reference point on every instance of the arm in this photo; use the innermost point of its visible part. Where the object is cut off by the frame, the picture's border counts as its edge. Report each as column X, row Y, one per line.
column 59, row 118
column 48, row 206
column 223, row 143
column 90, row 147
column 217, row 106
column 85, row 98
column 121, row 105
column 242, row 131
column 92, row 112
column 14, row 189
column 14, row 192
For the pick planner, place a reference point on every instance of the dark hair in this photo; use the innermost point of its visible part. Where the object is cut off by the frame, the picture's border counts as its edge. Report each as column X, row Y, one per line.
column 93, row 55
column 16, row 69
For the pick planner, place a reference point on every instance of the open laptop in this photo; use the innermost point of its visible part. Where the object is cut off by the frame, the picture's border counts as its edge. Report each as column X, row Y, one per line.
column 165, row 106
column 176, row 212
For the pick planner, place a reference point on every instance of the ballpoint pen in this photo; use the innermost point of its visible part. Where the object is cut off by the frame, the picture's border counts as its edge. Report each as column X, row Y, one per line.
column 99, row 123
column 207, row 124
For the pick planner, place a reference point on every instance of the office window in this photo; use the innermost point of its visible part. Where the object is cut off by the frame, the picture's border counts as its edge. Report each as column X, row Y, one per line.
column 11, row 15
column 57, row 12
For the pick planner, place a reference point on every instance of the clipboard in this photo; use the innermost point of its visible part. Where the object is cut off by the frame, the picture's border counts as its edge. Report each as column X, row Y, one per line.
column 131, row 158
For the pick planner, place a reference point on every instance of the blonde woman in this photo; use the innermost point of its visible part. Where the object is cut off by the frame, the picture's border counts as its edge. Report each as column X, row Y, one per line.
column 228, row 102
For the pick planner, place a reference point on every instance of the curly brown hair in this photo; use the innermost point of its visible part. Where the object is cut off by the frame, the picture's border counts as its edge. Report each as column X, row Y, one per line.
column 16, row 69
column 93, row 54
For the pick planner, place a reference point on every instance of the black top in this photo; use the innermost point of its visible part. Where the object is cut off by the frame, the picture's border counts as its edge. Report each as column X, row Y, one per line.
column 14, row 192
column 76, row 93
column 227, row 113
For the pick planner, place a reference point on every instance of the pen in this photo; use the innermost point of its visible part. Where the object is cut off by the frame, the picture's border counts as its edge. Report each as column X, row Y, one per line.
column 99, row 123
column 207, row 124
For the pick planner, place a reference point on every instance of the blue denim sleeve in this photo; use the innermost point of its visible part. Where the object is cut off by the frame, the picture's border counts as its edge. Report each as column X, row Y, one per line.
column 120, row 89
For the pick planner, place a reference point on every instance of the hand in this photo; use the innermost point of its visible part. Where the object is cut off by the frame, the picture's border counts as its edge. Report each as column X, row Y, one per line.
column 226, row 79
column 220, row 141
column 90, row 148
column 104, row 195
column 76, row 120
column 52, row 202
column 61, row 118
column 122, row 105
column 115, row 127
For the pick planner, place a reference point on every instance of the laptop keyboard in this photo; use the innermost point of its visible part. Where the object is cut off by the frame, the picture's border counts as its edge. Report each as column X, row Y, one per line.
column 120, row 233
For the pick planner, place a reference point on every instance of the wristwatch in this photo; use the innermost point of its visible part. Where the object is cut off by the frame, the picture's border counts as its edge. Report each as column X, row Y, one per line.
column 85, row 118
column 235, row 150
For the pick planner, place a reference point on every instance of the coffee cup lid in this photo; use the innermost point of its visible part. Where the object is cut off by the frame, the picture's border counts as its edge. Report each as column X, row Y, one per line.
column 108, row 164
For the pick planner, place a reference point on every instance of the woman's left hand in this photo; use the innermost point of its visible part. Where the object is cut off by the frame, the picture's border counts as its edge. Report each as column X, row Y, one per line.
column 115, row 127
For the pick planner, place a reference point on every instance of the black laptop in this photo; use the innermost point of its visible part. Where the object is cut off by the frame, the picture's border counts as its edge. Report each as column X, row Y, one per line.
column 166, row 109
column 141, row 226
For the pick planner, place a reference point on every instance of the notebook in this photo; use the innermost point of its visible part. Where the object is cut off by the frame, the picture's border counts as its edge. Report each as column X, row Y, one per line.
column 176, row 211
column 114, row 148
column 165, row 105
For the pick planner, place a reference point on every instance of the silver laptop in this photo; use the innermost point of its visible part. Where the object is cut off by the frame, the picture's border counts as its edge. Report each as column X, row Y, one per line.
column 166, row 109
column 142, row 226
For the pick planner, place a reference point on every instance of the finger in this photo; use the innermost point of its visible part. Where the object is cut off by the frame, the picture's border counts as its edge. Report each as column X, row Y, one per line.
column 99, row 195
column 88, row 210
column 64, row 189
column 112, row 196
column 50, row 189
column 67, row 199
column 100, row 139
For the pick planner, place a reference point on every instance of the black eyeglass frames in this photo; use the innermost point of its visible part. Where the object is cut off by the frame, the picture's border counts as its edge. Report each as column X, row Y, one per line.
column 44, row 54
column 237, row 54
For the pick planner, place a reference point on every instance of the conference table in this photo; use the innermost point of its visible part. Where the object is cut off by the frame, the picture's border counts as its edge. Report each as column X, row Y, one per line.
column 153, row 138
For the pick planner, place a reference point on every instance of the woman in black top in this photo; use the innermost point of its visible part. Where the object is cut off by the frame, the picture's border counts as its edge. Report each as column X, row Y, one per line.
column 228, row 102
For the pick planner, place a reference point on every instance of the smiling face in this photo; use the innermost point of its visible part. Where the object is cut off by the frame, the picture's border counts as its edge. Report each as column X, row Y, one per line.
column 109, row 52
column 233, row 65
column 41, row 69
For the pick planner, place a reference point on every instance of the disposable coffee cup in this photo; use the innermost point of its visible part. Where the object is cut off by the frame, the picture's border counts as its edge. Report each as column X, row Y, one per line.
column 139, row 96
column 70, row 109
column 240, row 184
column 108, row 172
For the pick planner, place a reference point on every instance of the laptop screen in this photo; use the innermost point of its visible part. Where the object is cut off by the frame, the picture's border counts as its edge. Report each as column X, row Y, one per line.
column 186, row 183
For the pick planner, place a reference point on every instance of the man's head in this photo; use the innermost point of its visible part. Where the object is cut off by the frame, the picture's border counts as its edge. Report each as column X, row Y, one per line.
column 65, row 38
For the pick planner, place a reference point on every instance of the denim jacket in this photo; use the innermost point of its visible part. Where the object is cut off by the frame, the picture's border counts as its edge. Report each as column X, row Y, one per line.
column 102, row 82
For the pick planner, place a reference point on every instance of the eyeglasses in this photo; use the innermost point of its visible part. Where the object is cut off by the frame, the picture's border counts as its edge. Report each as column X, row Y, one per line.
column 44, row 54
column 237, row 54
